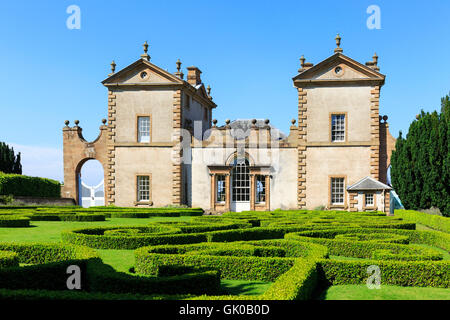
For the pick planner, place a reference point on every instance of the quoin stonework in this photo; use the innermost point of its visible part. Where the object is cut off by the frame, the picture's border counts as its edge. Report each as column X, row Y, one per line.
column 161, row 146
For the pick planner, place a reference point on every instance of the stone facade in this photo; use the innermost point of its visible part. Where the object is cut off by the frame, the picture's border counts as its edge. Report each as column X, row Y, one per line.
column 186, row 159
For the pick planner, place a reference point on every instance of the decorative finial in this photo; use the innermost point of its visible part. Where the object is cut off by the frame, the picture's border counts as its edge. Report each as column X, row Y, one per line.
column 145, row 55
column 77, row 122
column 113, row 67
column 293, row 121
column 208, row 89
column 104, row 121
column 214, row 122
column 254, row 122
column 179, row 74
column 375, row 58
column 385, row 118
column 267, row 121
column 338, row 44
column 227, row 122
column 67, row 123
column 302, row 61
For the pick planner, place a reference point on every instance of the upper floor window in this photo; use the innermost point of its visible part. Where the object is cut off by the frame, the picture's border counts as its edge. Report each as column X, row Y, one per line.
column 187, row 101
column 337, row 127
column 143, row 128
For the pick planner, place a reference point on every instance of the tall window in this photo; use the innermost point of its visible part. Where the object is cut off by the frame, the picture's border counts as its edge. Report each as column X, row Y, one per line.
column 143, row 129
column 337, row 191
column 338, row 127
column 241, row 181
column 143, row 188
column 220, row 187
column 260, row 189
column 369, row 199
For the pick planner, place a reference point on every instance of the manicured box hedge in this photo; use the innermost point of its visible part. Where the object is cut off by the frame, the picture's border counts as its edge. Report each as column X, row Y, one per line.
column 399, row 273
column 433, row 221
column 8, row 259
column 14, row 221
column 20, row 185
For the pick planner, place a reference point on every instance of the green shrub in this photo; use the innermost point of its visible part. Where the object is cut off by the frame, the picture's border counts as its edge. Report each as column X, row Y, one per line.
column 84, row 217
column 19, row 185
column 8, row 259
column 363, row 249
column 14, row 221
column 399, row 273
column 429, row 220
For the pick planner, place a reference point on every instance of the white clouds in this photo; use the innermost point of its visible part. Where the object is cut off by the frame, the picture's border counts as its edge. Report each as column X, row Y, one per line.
column 47, row 162
column 43, row 162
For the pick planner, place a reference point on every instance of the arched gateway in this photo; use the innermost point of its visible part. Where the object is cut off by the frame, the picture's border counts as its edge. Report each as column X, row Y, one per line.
column 76, row 152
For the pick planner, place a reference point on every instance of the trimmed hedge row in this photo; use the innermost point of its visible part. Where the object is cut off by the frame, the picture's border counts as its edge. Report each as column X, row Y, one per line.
column 37, row 295
column 399, row 273
column 82, row 217
column 364, row 249
column 20, row 185
column 433, row 221
column 14, row 221
column 8, row 259
column 48, row 265
column 240, row 260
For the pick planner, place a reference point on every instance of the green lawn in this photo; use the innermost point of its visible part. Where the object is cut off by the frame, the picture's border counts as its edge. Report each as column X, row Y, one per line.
column 120, row 260
column 50, row 231
column 361, row 292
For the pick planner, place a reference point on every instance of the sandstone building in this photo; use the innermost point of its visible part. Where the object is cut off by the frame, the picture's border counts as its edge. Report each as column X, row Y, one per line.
column 160, row 145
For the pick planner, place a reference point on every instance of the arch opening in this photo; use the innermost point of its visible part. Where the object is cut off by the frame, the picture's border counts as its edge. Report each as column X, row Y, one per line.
column 90, row 183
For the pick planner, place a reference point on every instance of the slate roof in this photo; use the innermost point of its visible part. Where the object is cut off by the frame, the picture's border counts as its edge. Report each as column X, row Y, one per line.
column 368, row 183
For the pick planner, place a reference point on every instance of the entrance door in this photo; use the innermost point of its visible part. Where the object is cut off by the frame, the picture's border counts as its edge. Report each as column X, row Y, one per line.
column 240, row 187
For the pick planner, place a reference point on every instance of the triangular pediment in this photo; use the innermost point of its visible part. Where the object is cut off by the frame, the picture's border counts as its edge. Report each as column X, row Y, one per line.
column 339, row 67
column 142, row 72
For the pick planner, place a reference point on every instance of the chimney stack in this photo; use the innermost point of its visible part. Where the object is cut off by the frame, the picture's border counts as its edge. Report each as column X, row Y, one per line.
column 193, row 76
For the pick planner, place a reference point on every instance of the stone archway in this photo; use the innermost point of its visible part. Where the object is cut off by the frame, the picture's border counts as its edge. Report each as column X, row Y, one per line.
column 76, row 152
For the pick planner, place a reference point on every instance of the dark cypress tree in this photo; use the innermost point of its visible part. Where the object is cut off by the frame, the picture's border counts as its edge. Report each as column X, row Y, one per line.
column 9, row 162
column 420, row 170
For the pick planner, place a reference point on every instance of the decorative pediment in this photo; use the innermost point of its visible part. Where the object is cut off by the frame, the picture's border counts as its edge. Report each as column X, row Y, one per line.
column 338, row 68
column 142, row 72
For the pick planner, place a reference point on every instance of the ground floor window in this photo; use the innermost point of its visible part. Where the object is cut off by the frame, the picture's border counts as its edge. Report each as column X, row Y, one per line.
column 337, row 191
column 260, row 189
column 241, row 182
column 143, row 188
column 220, row 188
column 369, row 199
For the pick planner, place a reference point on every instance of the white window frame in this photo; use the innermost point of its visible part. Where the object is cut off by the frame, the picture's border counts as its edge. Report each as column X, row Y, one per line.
column 143, row 129
column 338, row 130
column 143, row 188
column 337, row 185
column 366, row 197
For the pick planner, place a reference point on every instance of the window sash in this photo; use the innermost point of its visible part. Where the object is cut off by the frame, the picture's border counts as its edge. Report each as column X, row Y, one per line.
column 369, row 199
column 143, row 188
column 337, row 191
column 143, row 129
column 241, row 182
column 220, row 188
column 338, row 127
column 260, row 189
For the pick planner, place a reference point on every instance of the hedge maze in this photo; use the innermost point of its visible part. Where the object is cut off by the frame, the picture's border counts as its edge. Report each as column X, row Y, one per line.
column 298, row 252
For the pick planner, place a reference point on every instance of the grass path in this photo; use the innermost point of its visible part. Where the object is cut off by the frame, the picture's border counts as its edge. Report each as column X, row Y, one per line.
column 361, row 292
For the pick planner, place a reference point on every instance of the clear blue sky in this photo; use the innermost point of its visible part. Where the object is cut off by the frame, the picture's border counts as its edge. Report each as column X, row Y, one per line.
column 248, row 52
